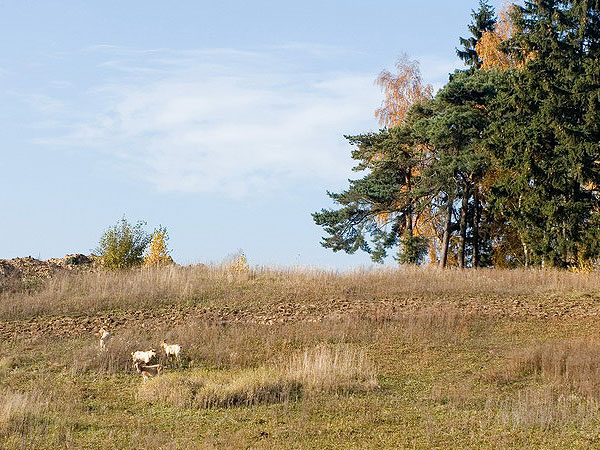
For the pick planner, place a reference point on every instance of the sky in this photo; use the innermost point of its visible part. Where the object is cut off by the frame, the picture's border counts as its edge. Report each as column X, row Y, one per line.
column 222, row 121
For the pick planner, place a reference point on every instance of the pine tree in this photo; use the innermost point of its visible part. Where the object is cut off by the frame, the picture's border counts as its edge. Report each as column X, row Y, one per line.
column 378, row 211
column 454, row 129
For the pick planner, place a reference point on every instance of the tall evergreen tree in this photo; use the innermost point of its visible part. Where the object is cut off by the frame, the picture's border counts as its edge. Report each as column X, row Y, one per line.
column 545, row 145
column 484, row 19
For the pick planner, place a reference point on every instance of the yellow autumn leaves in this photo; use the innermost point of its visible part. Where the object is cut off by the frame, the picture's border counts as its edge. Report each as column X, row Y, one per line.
column 157, row 253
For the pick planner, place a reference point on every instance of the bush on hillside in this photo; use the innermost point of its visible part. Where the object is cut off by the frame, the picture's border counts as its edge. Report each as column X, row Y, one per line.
column 122, row 245
column 158, row 252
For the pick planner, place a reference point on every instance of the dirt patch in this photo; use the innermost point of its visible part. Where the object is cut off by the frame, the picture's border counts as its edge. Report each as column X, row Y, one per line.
column 32, row 268
column 377, row 310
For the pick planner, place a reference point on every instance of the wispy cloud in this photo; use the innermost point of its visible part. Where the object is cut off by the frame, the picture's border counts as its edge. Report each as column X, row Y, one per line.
column 223, row 121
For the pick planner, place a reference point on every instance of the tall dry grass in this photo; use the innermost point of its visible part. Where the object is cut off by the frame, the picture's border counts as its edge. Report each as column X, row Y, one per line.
column 318, row 370
column 545, row 407
column 27, row 421
column 556, row 383
column 331, row 369
column 573, row 365
column 22, row 413
column 74, row 293
column 251, row 345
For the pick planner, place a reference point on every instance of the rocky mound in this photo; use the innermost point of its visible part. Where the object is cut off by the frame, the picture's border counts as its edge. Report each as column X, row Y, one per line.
column 32, row 268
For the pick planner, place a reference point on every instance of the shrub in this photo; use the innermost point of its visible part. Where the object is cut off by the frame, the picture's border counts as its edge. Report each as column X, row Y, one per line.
column 158, row 253
column 122, row 246
column 239, row 263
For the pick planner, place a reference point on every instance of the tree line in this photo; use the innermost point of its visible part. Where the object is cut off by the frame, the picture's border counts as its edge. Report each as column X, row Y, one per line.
column 501, row 166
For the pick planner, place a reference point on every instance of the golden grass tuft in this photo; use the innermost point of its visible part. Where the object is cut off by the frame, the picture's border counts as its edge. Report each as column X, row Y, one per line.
column 332, row 369
column 209, row 389
column 574, row 365
column 318, row 370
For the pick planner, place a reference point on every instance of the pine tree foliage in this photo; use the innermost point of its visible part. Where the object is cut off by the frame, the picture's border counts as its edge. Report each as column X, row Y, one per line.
column 377, row 210
column 544, row 143
column 484, row 20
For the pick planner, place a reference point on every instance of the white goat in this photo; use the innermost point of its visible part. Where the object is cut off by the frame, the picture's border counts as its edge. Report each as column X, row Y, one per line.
column 171, row 349
column 104, row 338
column 143, row 357
column 148, row 371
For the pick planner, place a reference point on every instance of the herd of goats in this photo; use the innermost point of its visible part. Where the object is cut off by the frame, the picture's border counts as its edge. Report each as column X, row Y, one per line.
column 141, row 359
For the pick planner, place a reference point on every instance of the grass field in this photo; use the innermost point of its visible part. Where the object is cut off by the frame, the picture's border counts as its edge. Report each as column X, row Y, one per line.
column 414, row 358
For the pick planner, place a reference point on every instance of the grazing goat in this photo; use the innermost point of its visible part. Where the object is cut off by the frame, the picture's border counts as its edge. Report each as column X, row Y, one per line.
column 148, row 371
column 104, row 338
column 171, row 349
column 143, row 357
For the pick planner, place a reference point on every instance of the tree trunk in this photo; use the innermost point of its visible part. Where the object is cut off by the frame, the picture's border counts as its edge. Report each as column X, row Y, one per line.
column 463, row 225
column 409, row 212
column 476, row 220
column 446, row 241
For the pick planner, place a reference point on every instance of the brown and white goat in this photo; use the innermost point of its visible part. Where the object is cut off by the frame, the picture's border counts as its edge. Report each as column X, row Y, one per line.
column 146, row 372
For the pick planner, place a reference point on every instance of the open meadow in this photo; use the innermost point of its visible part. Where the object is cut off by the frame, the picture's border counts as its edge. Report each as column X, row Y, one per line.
column 405, row 358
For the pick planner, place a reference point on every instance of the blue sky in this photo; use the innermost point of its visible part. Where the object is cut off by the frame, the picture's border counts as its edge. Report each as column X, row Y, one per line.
column 222, row 121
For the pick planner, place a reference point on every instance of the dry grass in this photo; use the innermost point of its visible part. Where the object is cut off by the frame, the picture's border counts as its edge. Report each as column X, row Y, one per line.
column 235, row 346
column 205, row 389
column 284, row 384
column 546, row 408
column 557, row 384
column 319, row 370
column 331, row 369
column 574, row 365
column 23, row 418
column 151, row 287
column 19, row 411
column 441, row 323
column 117, row 355
column 7, row 363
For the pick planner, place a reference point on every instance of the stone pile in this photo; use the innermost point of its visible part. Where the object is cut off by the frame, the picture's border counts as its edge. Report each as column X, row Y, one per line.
column 32, row 268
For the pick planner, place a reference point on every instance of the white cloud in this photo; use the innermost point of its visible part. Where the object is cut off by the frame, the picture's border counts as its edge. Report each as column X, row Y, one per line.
column 225, row 122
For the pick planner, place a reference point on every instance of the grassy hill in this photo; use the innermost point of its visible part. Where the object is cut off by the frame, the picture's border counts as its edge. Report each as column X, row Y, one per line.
column 416, row 358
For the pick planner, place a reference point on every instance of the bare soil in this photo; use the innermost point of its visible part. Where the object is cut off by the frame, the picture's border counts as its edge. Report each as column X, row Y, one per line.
column 584, row 308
